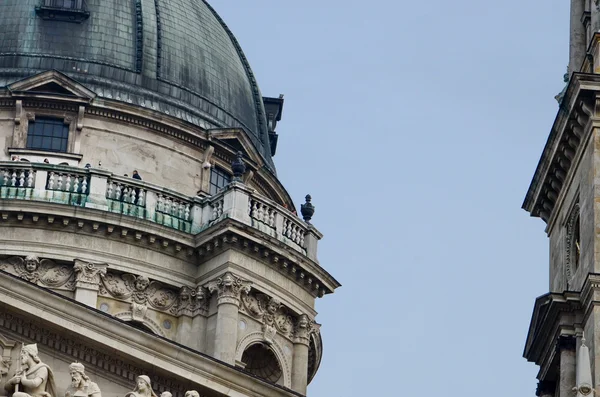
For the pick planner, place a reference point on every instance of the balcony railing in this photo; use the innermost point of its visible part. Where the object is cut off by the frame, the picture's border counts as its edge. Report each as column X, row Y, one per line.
column 100, row 189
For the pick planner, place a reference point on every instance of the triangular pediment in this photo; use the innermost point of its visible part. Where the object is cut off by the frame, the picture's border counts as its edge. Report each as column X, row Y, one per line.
column 51, row 83
column 237, row 140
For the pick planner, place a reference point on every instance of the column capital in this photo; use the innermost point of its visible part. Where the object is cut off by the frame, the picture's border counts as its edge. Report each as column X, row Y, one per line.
column 229, row 288
column 87, row 274
column 566, row 342
column 302, row 330
column 545, row 388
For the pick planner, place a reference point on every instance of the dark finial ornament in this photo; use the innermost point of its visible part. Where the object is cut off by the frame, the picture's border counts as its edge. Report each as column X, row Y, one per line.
column 238, row 167
column 307, row 210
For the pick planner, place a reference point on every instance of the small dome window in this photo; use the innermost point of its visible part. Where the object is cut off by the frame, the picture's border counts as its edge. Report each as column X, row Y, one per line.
column 63, row 10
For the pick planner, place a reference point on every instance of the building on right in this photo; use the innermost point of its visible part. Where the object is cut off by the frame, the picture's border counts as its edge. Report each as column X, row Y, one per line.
column 564, row 333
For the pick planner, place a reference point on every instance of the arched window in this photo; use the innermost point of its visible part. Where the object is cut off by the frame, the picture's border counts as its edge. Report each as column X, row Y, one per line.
column 260, row 360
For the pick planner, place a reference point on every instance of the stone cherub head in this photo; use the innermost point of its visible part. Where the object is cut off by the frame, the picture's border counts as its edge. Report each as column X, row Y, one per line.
column 32, row 263
column 141, row 283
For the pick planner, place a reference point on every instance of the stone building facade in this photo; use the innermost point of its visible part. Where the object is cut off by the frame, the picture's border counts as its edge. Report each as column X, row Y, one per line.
column 564, row 334
column 145, row 239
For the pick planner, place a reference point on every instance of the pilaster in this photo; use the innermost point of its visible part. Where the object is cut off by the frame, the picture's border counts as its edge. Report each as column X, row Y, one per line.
column 300, row 362
column 228, row 288
column 565, row 346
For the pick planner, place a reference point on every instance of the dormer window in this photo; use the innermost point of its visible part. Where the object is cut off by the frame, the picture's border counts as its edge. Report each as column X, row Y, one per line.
column 48, row 134
column 63, row 10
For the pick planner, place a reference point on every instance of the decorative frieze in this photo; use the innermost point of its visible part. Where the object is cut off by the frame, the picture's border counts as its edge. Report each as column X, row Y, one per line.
column 270, row 312
column 43, row 272
column 139, row 291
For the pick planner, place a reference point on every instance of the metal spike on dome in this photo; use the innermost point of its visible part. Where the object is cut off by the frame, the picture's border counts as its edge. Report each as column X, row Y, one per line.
column 584, row 371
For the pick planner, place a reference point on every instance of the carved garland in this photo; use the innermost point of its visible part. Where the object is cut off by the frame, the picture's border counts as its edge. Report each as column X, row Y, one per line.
column 270, row 312
column 571, row 249
column 44, row 272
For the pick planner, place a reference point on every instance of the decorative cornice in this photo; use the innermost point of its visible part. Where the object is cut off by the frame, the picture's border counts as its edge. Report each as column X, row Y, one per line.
column 564, row 147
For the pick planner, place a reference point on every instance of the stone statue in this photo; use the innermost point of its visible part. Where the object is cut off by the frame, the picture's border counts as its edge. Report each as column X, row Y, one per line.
column 35, row 379
column 81, row 385
column 166, row 394
column 561, row 94
column 143, row 388
column 192, row 393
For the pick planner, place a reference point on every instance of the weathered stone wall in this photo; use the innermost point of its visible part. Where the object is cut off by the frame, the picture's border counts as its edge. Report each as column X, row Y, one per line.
column 579, row 191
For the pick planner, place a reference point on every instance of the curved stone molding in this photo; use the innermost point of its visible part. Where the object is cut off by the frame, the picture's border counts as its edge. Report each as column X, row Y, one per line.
column 43, row 272
column 131, row 316
column 258, row 337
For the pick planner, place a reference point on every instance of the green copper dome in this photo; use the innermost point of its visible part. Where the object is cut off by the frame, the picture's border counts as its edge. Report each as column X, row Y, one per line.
column 174, row 56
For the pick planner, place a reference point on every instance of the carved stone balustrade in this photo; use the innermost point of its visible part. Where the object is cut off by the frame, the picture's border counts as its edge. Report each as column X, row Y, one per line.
column 102, row 190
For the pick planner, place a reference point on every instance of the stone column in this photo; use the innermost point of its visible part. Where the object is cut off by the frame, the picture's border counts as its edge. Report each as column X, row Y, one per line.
column 566, row 348
column 545, row 388
column 300, row 361
column 228, row 288
column 577, row 41
column 87, row 281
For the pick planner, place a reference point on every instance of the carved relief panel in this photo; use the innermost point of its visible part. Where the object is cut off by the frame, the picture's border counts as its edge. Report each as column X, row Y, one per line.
column 274, row 316
column 140, row 292
column 43, row 272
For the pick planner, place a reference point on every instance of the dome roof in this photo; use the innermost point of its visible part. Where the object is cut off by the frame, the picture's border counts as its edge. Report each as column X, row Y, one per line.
column 174, row 56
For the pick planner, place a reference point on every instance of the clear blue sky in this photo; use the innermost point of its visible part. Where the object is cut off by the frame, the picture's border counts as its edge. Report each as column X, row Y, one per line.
column 417, row 127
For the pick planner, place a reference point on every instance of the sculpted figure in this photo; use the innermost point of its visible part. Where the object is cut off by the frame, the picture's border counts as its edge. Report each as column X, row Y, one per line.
column 166, row 394
column 143, row 388
column 192, row 393
column 35, row 378
column 81, row 385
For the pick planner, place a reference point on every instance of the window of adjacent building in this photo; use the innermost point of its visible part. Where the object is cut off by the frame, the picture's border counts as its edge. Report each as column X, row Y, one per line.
column 48, row 134
column 576, row 242
column 219, row 178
